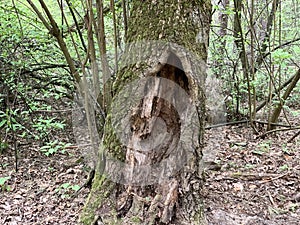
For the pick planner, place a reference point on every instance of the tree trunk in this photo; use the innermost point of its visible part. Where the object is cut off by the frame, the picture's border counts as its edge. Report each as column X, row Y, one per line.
column 223, row 20
column 148, row 169
column 279, row 107
column 220, row 65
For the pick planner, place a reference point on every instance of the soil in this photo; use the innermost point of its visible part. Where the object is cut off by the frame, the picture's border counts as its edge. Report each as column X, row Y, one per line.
column 249, row 180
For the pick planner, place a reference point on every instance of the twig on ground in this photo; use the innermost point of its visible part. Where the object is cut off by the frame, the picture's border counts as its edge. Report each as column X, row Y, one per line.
column 265, row 177
column 277, row 130
column 244, row 121
column 292, row 138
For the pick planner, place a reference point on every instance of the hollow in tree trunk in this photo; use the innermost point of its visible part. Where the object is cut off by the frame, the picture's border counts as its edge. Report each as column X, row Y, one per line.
column 148, row 170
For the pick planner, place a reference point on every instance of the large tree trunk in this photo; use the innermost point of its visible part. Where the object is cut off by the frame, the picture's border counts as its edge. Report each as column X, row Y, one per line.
column 148, row 169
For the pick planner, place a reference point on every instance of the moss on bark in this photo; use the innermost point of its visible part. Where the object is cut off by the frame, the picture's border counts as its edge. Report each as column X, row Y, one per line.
column 185, row 23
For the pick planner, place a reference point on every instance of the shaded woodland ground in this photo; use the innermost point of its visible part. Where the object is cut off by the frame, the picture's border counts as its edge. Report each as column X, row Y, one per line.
column 249, row 180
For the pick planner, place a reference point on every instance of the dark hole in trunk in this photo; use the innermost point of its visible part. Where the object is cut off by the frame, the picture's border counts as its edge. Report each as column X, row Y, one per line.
column 173, row 70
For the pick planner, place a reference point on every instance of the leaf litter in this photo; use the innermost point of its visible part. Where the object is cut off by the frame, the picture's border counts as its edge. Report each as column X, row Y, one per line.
column 248, row 181
column 251, row 180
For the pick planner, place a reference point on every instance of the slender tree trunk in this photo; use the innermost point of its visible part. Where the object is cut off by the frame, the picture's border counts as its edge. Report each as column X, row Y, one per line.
column 148, row 169
column 223, row 19
column 286, row 94
column 267, row 35
column 222, row 32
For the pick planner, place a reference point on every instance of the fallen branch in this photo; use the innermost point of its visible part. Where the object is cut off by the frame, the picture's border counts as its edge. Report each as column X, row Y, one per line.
column 274, row 178
column 292, row 138
column 276, row 113
column 276, row 91
column 277, row 130
column 265, row 177
column 245, row 121
column 226, row 124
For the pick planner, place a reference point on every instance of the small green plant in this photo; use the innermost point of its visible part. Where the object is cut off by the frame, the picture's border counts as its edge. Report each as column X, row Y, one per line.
column 3, row 146
column 233, row 165
column 293, row 207
column 50, row 169
column 286, row 149
column 3, row 165
column 44, row 126
column 9, row 121
column 280, row 56
column 284, row 167
column 136, row 219
column 54, row 147
column 66, row 188
column 295, row 113
column 276, row 211
column 249, row 166
column 263, row 148
column 3, row 185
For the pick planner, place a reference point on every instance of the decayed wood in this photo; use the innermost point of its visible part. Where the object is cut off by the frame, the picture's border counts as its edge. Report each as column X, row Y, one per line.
column 160, row 178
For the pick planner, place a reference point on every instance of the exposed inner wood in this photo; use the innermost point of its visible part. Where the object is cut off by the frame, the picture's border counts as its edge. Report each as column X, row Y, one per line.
column 155, row 127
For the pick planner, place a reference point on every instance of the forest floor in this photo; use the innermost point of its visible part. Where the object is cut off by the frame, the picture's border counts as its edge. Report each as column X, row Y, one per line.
column 249, row 180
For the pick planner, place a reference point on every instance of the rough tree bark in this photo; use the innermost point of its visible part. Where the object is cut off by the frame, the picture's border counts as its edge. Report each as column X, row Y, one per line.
column 148, row 170
column 223, row 20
